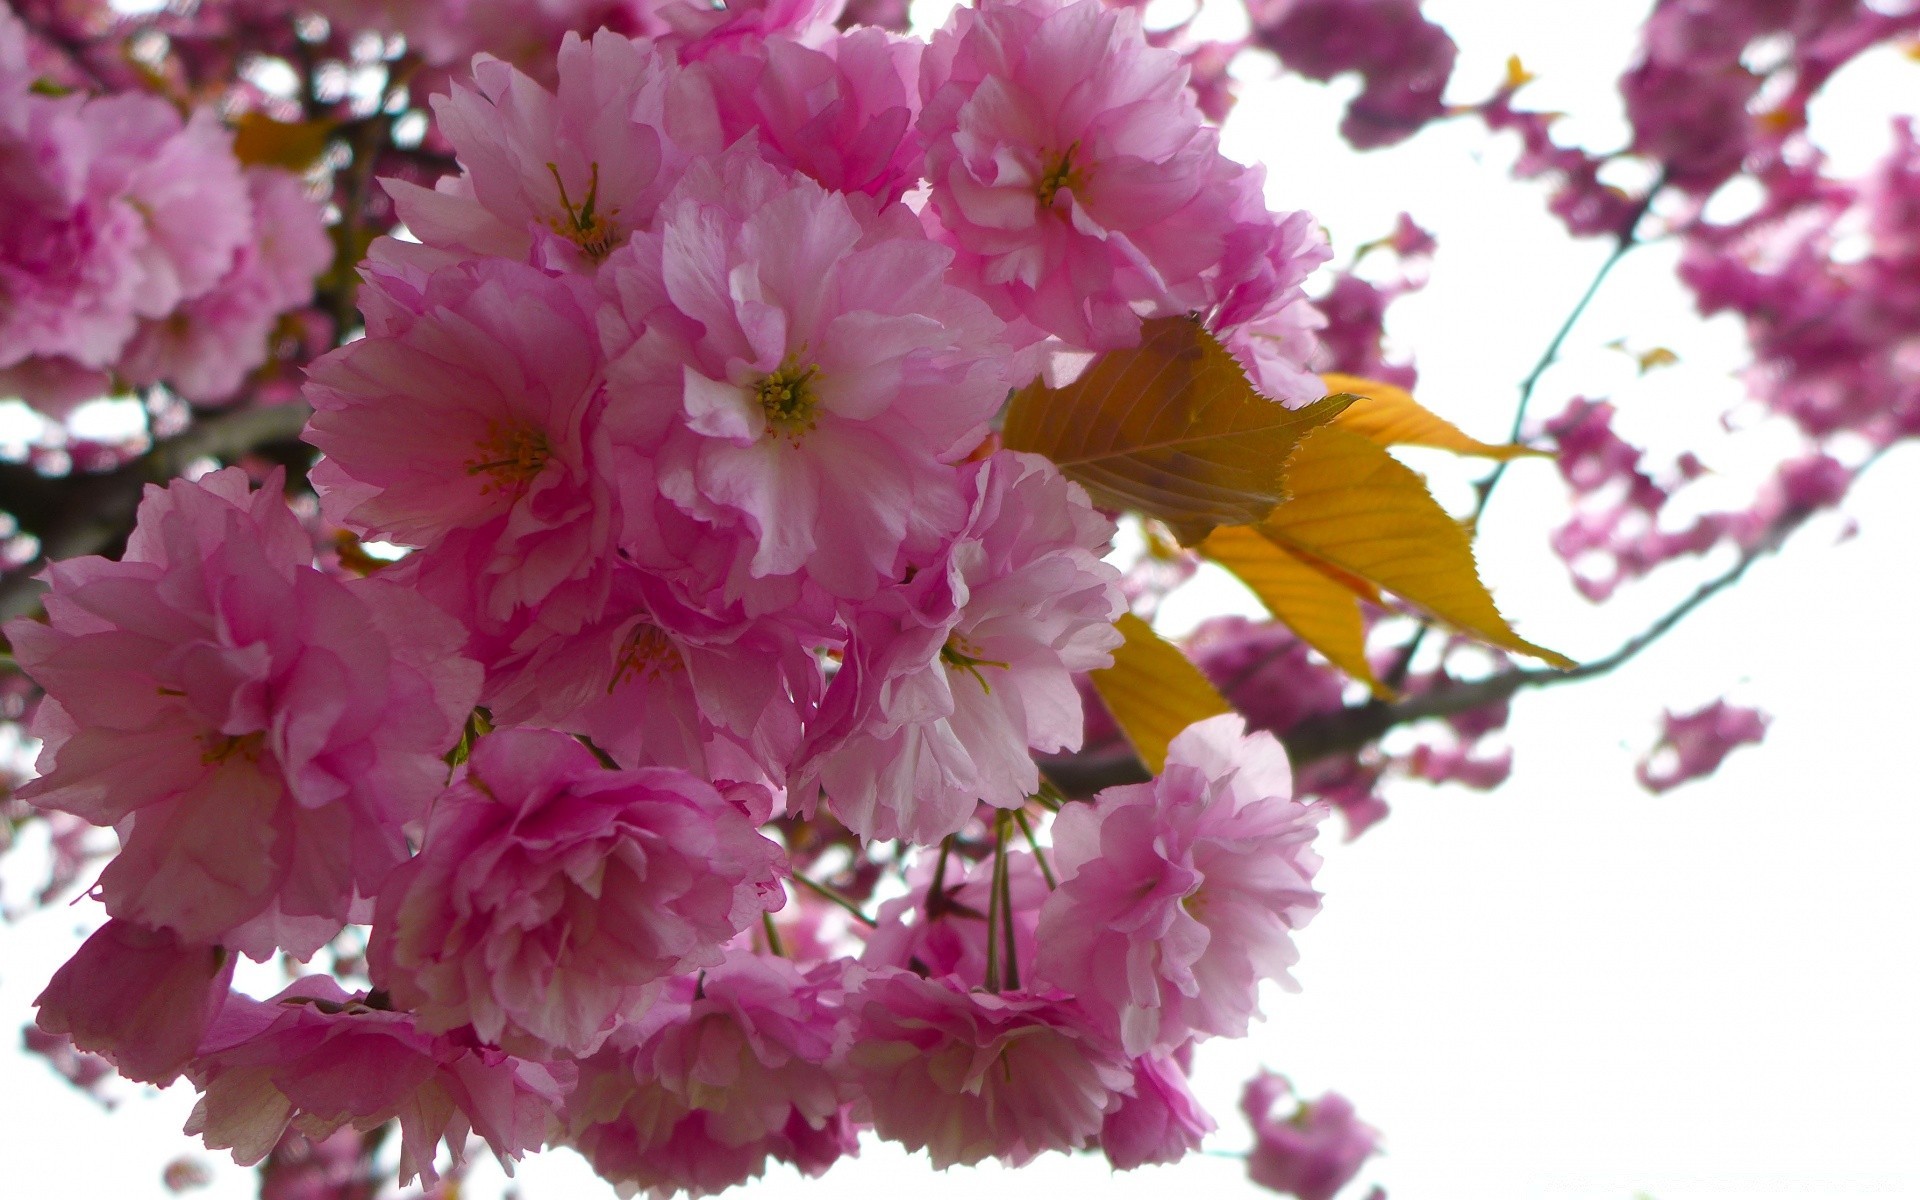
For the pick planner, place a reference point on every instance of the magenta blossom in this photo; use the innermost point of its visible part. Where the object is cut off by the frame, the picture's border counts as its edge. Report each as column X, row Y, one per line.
column 563, row 176
column 139, row 997
column 1160, row 1122
column 1176, row 897
column 955, row 676
column 796, row 374
column 257, row 732
column 1312, row 1153
column 553, row 896
column 320, row 1059
column 738, row 1066
column 1072, row 169
column 467, row 420
column 974, row 1075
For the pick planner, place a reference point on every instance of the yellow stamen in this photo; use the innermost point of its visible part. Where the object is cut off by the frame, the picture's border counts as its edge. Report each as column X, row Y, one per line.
column 647, row 654
column 513, row 454
column 585, row 227
column 1060, row 173
column 787, row 399
column 962, row 655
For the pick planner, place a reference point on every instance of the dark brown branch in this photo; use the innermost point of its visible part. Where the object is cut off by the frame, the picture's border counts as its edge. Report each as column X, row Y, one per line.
column 91, row 514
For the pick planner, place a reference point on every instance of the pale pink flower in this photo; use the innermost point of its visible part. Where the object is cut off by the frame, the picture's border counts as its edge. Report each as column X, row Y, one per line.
column 1071, row 167
column 798, row 375
column 655, row 683
column 738, row 1066
column 1312, row 1153
column 205, row 349
column 320, row 1060
column 1262, row 314
column 1177, row 896
column 257, row 732
column 953, row 678
column 472, row 409
column 700, row 29
column 1693, row 745
column 1160, row 1122
column 552, row 896
column 972, row 1075
column 842, row 113
column 140, row 998
column 564, row 175
column 116, row 210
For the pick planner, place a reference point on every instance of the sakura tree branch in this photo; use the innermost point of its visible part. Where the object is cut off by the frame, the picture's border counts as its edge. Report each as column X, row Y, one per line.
column 90, row 514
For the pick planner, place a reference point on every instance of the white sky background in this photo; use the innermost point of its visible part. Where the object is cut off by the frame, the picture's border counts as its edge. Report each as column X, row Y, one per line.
column 1565, row 988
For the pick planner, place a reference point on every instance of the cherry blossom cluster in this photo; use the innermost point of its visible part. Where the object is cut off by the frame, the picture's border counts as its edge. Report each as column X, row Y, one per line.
column 135, row 245
column 677, row 776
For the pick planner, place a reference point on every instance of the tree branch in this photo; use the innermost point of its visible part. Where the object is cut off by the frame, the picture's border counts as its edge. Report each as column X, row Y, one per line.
column 89, row 514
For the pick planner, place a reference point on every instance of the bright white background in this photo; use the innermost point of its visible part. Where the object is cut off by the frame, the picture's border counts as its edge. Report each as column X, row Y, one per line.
column 1567, row 988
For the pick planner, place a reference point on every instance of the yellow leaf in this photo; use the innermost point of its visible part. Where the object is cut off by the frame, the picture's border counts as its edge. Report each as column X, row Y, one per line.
column 261, row 141
column 1517, row 75
column 1320, row 610
column 1170, row 428
column 1388, row 416
column 1154, row 691
column 1351, row 504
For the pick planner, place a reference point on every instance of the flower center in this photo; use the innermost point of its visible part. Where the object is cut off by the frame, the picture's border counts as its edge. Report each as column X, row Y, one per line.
column 512, row 454
column 583, row 224
column 962, row 655
column 1059, row 172
column 221, row 747
column 787, row 399
column 647, row 654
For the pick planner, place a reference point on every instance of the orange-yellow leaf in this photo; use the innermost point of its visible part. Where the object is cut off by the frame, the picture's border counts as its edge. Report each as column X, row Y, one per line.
column 1352, row 504
column 261, row 141
column 1170, row 428
column 1320, row 611
column 1389, row 416
column 1154, row 691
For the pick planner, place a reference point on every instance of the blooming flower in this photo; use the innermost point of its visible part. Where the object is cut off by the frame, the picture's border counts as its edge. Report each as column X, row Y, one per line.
column 563, row 175
column 734, row 1067
column 1176, row 896
column 1071, row 168
column 258, row 732
column 467, row 421
column 1311, row 1154
column 953, row 677
column 972, row 1075
column 320, row 1059
column 552, row 896
column 139, row 997
column 798, row 376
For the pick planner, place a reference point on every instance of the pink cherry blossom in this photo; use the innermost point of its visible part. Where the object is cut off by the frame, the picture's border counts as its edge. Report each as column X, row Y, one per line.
column 955, row 676
column 1071, row 168
column 842, row 113
column 1176, row 896
column 975, row 1075
column 140, row 998
column 1403, row 59
column 1311, row 1154
column 205, row 349
column 257, row 731
column 738, row 1066
column 564, row 175
column 552, row 896
column 1160, row 1122
column 799, row 375
column 1694, row 744
column 320, row 1059
column 469, row 418
column 655, row 683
